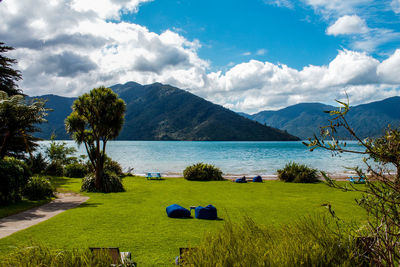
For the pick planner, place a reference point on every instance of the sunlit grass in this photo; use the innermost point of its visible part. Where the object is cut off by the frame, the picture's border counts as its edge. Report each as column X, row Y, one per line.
column 136, row 220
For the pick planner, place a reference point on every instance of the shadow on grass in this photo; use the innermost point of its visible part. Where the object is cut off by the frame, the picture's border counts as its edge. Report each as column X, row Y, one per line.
column 89, row 205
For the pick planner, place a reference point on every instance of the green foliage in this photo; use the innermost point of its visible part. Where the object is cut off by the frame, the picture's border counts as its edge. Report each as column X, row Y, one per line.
column 306, row 242
column 298, row 173
column 111, row 183
column 96, row 117
column 202, row 172
column 381, row 194
column 14, row 175
column 60, row 152
column 38, row 188
column 76, row 170
column 18, row 120
column 37, row 163
column 8, row 76
column 55, row 168
column 113, row 166
column 41, row 255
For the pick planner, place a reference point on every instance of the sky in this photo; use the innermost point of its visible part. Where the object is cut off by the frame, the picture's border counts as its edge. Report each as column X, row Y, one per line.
column 247, row 55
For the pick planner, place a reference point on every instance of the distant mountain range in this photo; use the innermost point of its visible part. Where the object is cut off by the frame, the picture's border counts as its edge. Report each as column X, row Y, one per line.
column 163, row 112
column 303, row 120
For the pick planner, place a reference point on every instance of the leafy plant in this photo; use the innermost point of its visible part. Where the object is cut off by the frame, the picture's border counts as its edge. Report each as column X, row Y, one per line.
column 111, row 183
column 55, row 168
column 298, row 173
column 76, row 170
column 202, row 172
column 381, row 194
column 96, row 118
column 60, row 152
column 37, row 163
column 14, row 175
column 38, row 188
column 311, row 241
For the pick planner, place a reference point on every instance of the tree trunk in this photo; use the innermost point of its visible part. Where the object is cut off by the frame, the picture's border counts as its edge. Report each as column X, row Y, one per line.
column 99, row 168
column 3, row 149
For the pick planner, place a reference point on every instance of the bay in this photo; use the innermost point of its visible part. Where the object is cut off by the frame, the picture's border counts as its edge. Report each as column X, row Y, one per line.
column 233, row 158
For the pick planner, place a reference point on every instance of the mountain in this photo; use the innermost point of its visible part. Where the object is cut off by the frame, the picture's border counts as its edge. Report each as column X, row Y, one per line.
column 163, row 112
column 303, row 120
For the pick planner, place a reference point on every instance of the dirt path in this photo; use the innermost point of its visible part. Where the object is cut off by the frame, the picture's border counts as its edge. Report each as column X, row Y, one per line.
column 25, row 219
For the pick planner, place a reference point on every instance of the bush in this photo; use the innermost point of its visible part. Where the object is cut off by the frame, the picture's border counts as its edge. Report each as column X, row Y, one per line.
column 111, row 183
column 38, row 188
column 113, row 166
column 14, row 175
column 76, row 170
column 298, row 173
column 110, row 166
column 307, row 242
column 202, row 172
column 55, row 168
column 37, row 163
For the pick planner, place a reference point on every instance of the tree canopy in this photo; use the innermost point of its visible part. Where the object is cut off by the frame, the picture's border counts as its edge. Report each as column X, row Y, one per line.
column 96, row 118
column 18, row 119
column 8, row 75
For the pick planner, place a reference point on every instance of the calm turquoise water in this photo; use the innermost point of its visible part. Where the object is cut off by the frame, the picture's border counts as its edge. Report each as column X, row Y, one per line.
column 236, row 158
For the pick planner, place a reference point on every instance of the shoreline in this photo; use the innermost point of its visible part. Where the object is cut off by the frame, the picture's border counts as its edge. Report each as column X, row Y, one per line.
column 336, row 176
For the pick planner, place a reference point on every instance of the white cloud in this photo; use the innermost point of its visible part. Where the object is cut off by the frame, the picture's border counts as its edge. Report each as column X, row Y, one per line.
column 336, row 8
column 280, row 3
column 67, row 50
column 396, row 6
column 348, row 25
column 261, row 52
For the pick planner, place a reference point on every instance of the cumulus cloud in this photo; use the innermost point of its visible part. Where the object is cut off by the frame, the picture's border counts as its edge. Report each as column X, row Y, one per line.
column 68, row 47
column 256, row 85
column 396, row 6
column 348, row 25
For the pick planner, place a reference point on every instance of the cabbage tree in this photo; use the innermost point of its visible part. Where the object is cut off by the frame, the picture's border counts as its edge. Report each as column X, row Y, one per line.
column 96, row 118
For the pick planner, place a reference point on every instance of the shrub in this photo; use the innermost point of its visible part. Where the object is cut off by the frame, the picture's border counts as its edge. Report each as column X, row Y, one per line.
column 55, row 168
column 298, row 173
column 113, row 166
column 37, row 163
column 111, row 183
column 38, row 188
column 306, row 242
column 76, row 170
column 109, row 166
column 202, row 172
column 14, row 175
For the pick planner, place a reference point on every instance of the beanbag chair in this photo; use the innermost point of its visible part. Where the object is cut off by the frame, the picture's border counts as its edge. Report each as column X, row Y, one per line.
column 176, row 211
column 257, row 179
column 241, row 180
column 208, row 213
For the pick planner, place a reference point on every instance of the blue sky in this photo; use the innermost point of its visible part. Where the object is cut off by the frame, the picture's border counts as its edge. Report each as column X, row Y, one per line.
column 247, row 55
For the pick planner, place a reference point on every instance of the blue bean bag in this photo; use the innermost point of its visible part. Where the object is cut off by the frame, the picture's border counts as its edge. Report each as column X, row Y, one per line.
column 257, row 179
column 241, row 180
column 207, row 213
column 176, row 211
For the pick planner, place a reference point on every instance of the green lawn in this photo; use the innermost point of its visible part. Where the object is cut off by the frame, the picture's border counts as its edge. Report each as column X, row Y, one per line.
column 136, row 220
column 22, row 205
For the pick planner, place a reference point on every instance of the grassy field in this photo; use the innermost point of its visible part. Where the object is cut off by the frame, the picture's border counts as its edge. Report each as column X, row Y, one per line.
column 22, row 205
column 136, row 220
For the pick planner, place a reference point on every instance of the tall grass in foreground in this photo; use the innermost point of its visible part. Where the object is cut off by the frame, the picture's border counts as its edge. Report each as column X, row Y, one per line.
column 307, row 242
column 40, row 255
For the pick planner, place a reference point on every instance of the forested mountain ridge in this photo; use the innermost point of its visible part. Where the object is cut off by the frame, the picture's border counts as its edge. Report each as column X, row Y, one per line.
column 163, row 112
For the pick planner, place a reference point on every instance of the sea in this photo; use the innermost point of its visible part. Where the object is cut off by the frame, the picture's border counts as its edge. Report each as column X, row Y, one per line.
column 234, row 158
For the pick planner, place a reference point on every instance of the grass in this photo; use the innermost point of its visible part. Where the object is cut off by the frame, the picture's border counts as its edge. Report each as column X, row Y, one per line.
column 136, row 220
column 20, row 206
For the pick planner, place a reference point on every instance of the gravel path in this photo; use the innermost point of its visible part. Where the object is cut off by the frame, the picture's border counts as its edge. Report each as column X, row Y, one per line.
column 25, row 219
